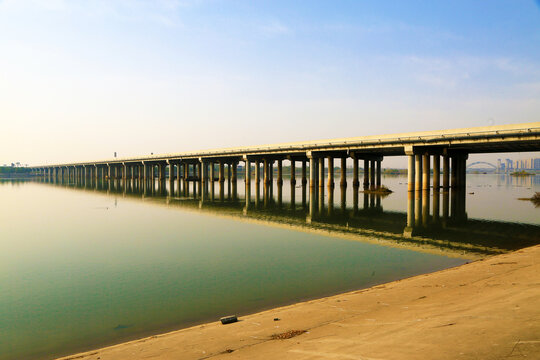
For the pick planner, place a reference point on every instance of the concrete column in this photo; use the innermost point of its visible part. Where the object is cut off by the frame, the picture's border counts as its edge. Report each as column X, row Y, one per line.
column 330, row 172
column 454, row 178
column 199, row 170
column 463, row 172
column 436, row 171
column 312, row 172
column 426, row 171
column 266, row 173
column 343, row 181
column 356, row 183
column 321, row 172
column 418, row 172
column 221, row 172
column 304, row 173
column 212, row 171
column 145, row 172
column 234, row 172
column 247, row 176
column 446, row 173
column 372, row 174
column 171, row 178
column 410, row 173
column 293, row 172
column 247, row 182
column 378, row 174
column 204, row 171
column 161, row 171
column 312, row 186
column 366, row 174
column 279, row 172
column 257, row 172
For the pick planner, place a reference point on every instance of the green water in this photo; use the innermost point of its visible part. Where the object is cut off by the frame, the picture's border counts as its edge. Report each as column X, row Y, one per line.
column 81, row 269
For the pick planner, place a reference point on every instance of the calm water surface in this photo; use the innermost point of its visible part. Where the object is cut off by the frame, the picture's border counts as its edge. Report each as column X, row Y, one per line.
column 83, row 266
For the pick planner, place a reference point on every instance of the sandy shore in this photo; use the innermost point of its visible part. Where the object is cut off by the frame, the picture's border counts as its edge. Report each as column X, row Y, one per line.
column 486, row 309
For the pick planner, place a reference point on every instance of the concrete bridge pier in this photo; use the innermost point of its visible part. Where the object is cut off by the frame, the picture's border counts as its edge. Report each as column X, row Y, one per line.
column 313, row 174
column 418, row 172
column 410, row 172
column 221, row 172
column 304, row 173
column 320, row 167
column 229, row 180
column 257, row 172
column 161, row 168
column 321, row 185
column 372, row 174
column 426, row 171
column 247, row 170
column 356, row 183
column 171, row 177
column 280, row 172
column 330, row 172
column 446, row 172
column 378, row 173
column 185, row 179
column 266, row 173
column 293, row 173
column 436, row 171
column 343, row 173
column 366, row 174
column 212, row 173
column 234, row 179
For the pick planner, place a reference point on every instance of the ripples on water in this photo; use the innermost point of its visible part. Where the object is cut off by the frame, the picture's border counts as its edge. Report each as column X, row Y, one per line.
column 88, row 264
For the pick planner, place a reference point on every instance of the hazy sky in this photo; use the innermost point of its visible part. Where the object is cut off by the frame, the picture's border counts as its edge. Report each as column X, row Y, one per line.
column 80, row 80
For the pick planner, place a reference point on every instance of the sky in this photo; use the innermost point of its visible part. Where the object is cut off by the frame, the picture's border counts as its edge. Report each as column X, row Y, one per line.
column 80, row 80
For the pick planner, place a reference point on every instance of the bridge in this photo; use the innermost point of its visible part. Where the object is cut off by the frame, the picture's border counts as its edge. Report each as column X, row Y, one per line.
column 451, row 147
column 482, row 163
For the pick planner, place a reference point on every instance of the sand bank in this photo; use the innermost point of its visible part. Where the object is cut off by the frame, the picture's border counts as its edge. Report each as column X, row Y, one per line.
column 487, row 309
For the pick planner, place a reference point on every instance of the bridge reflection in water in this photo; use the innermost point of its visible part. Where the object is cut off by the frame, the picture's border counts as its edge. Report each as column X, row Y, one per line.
column 433, row 224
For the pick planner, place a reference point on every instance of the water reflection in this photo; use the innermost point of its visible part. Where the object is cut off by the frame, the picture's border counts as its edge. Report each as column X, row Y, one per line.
column 434, row 221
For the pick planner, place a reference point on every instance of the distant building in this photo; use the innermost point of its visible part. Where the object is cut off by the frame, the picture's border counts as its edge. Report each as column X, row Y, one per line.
column 528, row 164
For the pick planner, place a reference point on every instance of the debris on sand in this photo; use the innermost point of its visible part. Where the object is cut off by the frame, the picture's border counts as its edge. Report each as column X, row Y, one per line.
column 288, row 334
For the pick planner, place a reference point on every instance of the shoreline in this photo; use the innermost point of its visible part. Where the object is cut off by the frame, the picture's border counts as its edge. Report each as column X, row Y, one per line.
column 482, row 309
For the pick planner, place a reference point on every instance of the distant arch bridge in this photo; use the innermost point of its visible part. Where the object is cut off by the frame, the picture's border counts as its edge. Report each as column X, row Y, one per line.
column 481, row 163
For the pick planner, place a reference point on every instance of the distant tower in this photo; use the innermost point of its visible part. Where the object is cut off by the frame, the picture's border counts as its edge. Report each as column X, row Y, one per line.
column 498, row 165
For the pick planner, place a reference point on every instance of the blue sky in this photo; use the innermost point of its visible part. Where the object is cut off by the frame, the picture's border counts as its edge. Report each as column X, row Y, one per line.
column 83, row 79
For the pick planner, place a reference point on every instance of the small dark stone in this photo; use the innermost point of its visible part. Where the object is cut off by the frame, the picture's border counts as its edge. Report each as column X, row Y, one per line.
column 228, row 319
column 276, row 319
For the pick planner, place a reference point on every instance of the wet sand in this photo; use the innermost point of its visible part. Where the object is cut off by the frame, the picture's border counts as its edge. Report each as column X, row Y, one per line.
column 487, row 309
